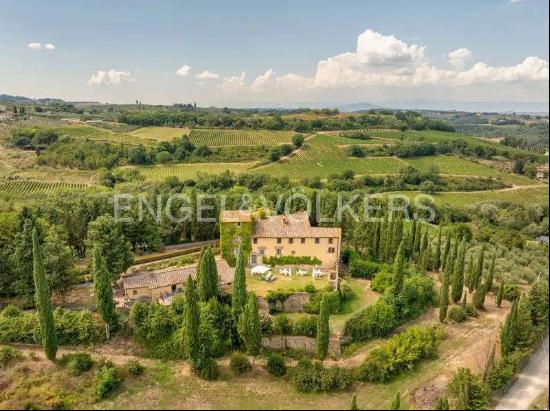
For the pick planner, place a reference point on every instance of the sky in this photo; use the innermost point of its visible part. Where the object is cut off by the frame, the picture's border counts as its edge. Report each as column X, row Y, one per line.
column 283, row 53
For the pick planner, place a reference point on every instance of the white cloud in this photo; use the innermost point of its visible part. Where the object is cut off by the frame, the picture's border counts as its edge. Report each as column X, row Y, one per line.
column 109, row 77
column 40, row 46
column 207, row 75
column 459, row 57
column 49, row 46
column 184, row 70
column 263, row 80
column 234, row 84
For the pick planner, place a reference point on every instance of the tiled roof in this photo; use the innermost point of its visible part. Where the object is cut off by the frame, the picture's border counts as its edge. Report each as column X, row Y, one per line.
column 293, row 225
column 236, row 216
column 175, row 275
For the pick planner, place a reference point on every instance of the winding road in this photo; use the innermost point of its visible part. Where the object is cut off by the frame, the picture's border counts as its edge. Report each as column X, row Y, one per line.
column 532, row 380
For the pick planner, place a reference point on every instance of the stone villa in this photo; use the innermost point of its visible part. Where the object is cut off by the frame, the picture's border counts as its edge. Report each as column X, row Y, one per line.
column 281, row 235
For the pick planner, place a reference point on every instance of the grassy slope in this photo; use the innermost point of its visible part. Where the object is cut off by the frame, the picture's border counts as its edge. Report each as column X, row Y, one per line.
column 159, row 133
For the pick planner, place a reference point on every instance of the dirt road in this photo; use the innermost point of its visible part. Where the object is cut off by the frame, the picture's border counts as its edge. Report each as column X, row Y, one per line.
column 530, row 383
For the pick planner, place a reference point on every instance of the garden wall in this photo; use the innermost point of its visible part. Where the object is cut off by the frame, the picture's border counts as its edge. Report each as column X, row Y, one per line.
column 294, row 303
column 299, row 343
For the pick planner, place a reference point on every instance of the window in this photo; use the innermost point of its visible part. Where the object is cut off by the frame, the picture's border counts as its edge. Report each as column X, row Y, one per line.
column 317, row 240
column 331, row 250
column 255, row 241
column 262, row 251
column 279, row 241
column 134, row 292
column 330, row 240
column 173, row 288
column 293, row 252
column 291, row 240
column 279, row 251
column 303, row 240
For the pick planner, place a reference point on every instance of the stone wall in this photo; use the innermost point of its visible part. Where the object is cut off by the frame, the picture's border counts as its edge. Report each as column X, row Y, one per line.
column 293, row 304
column 300, row 343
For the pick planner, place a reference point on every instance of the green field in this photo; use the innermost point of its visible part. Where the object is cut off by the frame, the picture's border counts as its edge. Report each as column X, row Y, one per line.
column 220, row 138
column 190, row 171
column 321, row 158
column 18, row 188
column 99, row 134
column 159, row 133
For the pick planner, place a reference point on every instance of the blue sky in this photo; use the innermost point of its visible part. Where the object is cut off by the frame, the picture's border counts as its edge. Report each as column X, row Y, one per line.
column 282, row 52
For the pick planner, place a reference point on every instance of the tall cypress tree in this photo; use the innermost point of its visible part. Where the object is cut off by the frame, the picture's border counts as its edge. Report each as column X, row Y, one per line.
column 427, row 260
column 417, row 240
column 469, row 272
column 444, row 297
column 323, row 330
column 191, row 322
column 500, row 294
column 508, row 334
column 412, row 234
column 376, row 241
column 451, row 260
column 250, row 329
column 398, row 271
column 477, row 274
column 446, row 250
column 389, row 239
column 437, row 262
column 479, row 296
column 353, row 405
column 43, row 300
column 425, row 241
column 207, row 276
column 491, row 275
column 103, row 291
column 458, row 276
column 397, row 234
column 238, row 300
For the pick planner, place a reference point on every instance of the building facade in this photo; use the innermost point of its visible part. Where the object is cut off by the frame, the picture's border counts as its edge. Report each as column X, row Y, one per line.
column 279, row 236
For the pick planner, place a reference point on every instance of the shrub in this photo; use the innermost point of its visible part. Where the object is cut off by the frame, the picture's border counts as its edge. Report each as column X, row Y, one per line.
column 309, row 377
column 207, row 368
column 511, row 292
column 276, row 365
column 335, row 379
column 11, row 311
column 133, row 368
column 77, row 363
column 375, row 367
column 458, row 314
column 381, row 281
column 502, row 374
column 346, row 292
column 291, row 260
column 310, row 288
column 281, row 325
column 471, row 311
column 333, row 300
column 306, row 326
column 107, row 380
column 239, row 363
column 377, row 320
column 468, row 391
column 360, row 268
column 9, row 355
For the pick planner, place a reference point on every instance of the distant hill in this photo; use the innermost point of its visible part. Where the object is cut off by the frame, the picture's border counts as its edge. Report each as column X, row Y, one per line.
column 27, row 100
column 347, row 108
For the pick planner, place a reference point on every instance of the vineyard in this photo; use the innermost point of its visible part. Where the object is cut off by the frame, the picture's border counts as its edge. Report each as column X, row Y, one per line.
column 22, row 187
column 159, row 133
column 220, row 138
column 191, row 170
column 82, row 132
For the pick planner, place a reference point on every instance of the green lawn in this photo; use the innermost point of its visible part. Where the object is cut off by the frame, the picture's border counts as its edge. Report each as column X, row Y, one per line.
column 260, row 287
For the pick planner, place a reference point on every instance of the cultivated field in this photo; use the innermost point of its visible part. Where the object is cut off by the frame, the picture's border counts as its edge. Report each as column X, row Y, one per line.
column 22, row 187
column 220, row 138
column 100, row 134
column 189, row 171
column 159, row 133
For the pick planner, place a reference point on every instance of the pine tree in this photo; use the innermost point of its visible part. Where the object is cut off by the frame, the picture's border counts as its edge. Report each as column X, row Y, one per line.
column 191, row 322
column 43, row 301
column 508, row 334
column 444, row 297
column 398, row 271
column 238, row 300
column 500, row 294
column 446, row 250
column 396, row 403
column 354, row 403
column 438, row 249
column 458, row 276
column 442, row 403
column 477, row 274
column 207, row 275
column 323, row 330
column 103, row 291
column 250, row 329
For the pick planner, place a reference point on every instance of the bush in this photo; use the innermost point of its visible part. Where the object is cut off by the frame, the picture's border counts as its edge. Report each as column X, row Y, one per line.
column 291, row 260
column 511, row 292
column 458, row 314
column 468, row 391
column 333, row 300
column 471, row 310
column 499, row 377
column 360, row 268
column 107, row 380
column 381, row 281
column 276, row 365
column 133, row 368
column 9, row 355
column 11, row 311
column 377, row 320
column 239, row 363
column 207, row 368
column 310, row 288
column 77, row 363
column 281, row 325
column 309, row 377
column 306, row 326
column 346, row 292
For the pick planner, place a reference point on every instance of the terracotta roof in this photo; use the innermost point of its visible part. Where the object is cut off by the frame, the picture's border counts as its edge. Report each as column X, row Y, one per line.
column 292, row 225
column 236, row 216
column 175, row 275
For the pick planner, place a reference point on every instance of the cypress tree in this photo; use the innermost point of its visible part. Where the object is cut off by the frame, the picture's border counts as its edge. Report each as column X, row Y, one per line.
column 103, row 291
column 417, row 240
column 438, row 249
column 469, row 271
column 398, row 271
column 426, row 262
column 354, row 403
column 445, row 252
column 490, row 276
column 451, row 260
column 376, row 241
column 397, row 234
column 207, row 276
column 479, row 296
column 458, row 276
column 191, row 322
column 249, row 326
column 500, row 294
column 323, row 330
column 508, row 334
column 477, row 274
column 43, row 301
column 396, row 403
column 389, row 239
column 412, row 235
column 425, row 241
column 238, row 300
column 444, row 297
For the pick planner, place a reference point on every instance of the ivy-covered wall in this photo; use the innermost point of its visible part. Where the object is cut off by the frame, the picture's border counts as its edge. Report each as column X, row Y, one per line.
column 231, row 236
